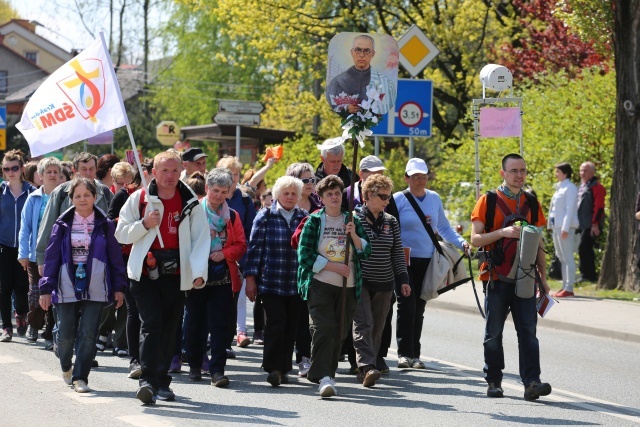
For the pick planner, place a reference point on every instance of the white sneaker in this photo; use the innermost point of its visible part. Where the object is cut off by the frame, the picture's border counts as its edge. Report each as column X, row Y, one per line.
column 417, row 364
column 303, row 367
column 404, row 362
column 66, row 376
column 327, row 387
column 81, row 387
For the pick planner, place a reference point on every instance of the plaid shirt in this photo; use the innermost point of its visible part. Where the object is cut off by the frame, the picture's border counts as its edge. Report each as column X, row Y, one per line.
column 308, row 256
column 270, row 256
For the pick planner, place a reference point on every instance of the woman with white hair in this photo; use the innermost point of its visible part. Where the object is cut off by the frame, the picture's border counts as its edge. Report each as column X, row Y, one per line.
column 271, row 270
column 49, row 170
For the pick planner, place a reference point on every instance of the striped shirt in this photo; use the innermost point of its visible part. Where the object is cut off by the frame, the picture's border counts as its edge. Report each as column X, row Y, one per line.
column 386, row 265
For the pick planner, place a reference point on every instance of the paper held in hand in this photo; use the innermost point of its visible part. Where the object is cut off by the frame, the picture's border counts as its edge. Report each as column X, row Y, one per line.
column 544, row 304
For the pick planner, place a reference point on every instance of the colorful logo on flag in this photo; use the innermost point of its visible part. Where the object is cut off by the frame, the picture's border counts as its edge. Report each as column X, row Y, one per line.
column 85, row 88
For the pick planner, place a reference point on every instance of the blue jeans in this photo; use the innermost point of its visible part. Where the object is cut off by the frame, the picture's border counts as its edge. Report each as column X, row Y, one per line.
column 78, row 323
column 499, row 299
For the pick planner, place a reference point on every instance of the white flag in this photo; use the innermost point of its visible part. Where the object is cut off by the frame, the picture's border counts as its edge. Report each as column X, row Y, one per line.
column 80, row 100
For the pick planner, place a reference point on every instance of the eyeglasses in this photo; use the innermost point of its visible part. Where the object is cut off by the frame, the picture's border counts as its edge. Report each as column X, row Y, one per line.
column 419, row 177
column 383, row 197
column 11, row 169
column 517, row 171
column 360, row 51
column 311, row 180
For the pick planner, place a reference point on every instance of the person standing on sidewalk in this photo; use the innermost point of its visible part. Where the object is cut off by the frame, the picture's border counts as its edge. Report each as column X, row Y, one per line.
column 563, row 222
column 171, row 207
column 591, row 196
column 500, row 295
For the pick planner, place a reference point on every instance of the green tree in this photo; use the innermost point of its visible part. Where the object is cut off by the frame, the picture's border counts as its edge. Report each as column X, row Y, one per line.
column 6, row 11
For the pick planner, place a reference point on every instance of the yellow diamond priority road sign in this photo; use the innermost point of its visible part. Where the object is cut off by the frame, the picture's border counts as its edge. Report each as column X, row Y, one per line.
column 416, row 50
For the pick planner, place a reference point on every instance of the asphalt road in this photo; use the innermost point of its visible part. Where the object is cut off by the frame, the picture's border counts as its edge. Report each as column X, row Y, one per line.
column 595, row 382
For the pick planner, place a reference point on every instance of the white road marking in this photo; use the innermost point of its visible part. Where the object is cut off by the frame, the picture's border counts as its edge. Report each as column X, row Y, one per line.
column 9, row 359
column 43, row 376
column 89, row 398
column 145, row 420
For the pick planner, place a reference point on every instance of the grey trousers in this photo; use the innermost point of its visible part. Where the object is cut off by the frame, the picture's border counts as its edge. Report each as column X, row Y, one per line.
column 325, row 304
column 368, row 323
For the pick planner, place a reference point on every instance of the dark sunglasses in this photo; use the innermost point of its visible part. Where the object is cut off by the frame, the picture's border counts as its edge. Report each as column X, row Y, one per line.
column 11, row 169
column 308, row 180
column 383, row 197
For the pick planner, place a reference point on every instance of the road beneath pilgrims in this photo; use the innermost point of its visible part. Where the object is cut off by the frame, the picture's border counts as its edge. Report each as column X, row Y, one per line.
column 595, row 381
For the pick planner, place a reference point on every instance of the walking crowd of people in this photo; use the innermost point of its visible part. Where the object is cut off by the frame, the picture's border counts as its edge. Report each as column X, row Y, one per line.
column 158, row 266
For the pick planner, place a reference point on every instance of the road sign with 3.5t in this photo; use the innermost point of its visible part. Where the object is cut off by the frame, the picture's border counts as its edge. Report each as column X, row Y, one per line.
column 411, row 115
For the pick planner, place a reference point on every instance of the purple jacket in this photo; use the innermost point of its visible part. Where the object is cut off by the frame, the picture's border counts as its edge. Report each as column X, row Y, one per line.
column 105, row 267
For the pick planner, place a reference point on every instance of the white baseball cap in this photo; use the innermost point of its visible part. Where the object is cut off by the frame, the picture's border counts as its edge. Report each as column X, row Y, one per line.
column 416, row 165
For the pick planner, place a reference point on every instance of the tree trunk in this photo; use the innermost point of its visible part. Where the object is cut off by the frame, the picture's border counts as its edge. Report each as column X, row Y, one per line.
column 619, row 267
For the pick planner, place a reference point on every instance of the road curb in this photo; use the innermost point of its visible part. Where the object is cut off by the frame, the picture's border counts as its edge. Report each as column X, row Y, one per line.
column 547, row 323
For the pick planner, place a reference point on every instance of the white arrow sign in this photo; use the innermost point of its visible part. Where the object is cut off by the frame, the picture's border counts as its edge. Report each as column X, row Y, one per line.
column 237, row 119
column 244, row 107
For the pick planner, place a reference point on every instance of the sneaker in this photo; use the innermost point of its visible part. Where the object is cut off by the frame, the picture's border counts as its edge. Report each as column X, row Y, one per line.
column 7, row 335
column 284, row 379
column 404, row 363
column 536, row 389
column 67, row 375
column 242, row 339
column 274, row 378
column 563, row 294
column 135, row 370
column 371, row 377
column 21, row 325
column 94, row 363
column 120, row 352
column 195, row 375
column 32, row 334
column 417, row 364
column 231, row 354
column 495, row 390
column 303, row 367
column 219, row 380
column 258, row 338
column 165, row 394
column 327, row 387
column 176, row 365
column 205, row 363
column 145, row 395
column 48, row 345
column 101, row 344
column 81, row 387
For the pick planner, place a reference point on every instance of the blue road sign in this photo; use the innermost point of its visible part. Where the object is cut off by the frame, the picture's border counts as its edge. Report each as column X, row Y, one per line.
column 3, row 117
column 411, row 115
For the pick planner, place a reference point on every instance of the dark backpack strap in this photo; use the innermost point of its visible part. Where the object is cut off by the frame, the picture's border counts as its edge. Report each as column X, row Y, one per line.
column 420, row 214
column 232, row 216
column 532, row 201
column 491, row 210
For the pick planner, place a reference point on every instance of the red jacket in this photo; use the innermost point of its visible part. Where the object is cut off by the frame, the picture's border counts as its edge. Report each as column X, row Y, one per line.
column 234, row 248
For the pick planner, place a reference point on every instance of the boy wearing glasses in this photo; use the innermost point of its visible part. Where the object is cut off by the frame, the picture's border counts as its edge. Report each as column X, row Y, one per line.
column 349, row 88
column 500, row 292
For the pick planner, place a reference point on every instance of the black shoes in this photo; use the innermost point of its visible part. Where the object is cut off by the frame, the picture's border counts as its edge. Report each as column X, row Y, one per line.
column 219, row 380
column 274, row 378
column 145, row 395
column 495, row 390
column 536, row 389
column 165, row 394
column 195, row 375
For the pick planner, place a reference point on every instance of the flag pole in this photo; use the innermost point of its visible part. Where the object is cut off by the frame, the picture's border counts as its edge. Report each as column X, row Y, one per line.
column 133, row 143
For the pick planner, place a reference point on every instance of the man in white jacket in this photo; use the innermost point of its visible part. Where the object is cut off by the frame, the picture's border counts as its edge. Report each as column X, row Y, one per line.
column 178, row 263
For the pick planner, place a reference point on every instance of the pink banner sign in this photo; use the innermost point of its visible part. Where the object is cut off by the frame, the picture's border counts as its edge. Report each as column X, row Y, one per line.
column 500, row 122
